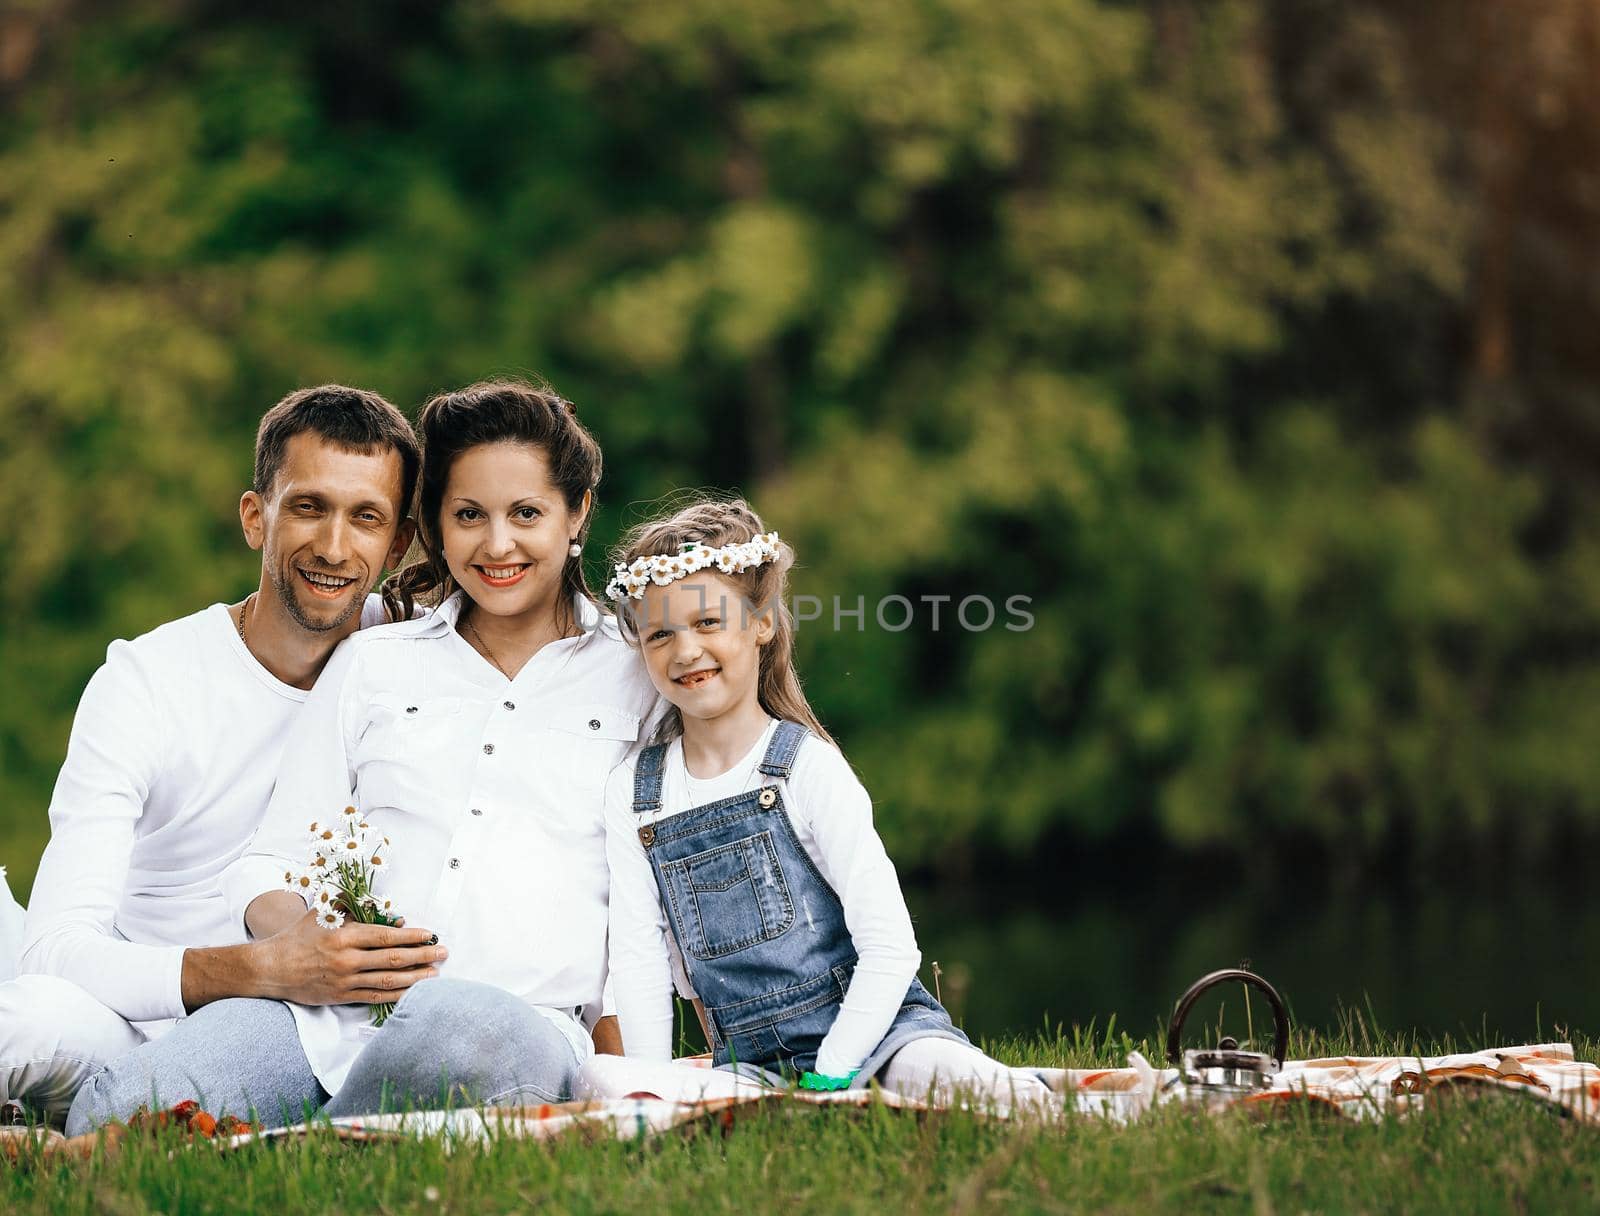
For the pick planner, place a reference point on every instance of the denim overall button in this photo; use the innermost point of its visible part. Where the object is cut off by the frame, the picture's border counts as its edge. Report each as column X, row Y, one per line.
column 647, row 835
column 767, row 797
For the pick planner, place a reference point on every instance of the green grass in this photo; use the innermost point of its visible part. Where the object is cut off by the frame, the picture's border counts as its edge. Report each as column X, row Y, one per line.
column 1488, row 1156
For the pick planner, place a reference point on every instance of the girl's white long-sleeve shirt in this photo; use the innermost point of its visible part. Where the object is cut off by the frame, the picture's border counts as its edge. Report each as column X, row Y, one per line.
column 832, row 817
column 489, row 791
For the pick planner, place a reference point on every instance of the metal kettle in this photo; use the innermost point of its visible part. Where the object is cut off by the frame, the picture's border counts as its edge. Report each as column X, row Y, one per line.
column 1224, row 1073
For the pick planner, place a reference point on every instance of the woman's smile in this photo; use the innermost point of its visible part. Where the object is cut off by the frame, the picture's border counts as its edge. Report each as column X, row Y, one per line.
column 501, row 576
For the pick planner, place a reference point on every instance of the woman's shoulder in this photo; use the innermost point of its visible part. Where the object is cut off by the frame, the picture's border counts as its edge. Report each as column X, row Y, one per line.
column 375, row 653
column 605, row 637
column 612, row 661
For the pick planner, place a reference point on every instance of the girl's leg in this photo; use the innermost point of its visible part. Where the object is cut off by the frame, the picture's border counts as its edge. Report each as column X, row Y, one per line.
column 611, row 1077
column 457, row 1042
column 235, row 1057
column 945, row 1072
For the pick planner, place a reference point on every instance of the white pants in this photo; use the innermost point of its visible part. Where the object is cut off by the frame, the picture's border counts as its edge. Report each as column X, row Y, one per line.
column 54, row 1036
column 609, row 1077
column 942, row 1072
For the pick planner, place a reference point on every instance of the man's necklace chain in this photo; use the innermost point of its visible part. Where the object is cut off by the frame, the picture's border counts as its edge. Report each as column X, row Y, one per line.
column 243, row 608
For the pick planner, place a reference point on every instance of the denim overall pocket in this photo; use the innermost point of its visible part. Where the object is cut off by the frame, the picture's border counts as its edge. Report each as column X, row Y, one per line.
column 730, row 897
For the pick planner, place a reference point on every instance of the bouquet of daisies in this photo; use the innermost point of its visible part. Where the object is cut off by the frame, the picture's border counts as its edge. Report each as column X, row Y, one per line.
column 340, row 879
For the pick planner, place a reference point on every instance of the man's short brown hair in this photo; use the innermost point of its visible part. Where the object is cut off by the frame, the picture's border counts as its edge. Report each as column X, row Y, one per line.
column 349, row 418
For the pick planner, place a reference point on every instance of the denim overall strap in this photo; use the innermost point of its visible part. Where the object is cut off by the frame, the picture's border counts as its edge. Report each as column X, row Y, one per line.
column 786, row 740
column 647, row 779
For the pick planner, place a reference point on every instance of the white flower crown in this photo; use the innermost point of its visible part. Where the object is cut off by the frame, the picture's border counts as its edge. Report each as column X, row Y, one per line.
column 663, row 568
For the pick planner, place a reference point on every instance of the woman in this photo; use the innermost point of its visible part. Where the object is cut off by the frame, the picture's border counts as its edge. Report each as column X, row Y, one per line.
column 477, row 738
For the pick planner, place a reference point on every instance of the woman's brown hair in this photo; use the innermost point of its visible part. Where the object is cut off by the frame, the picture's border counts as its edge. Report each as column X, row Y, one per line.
column 495, row 411
column 714, row 523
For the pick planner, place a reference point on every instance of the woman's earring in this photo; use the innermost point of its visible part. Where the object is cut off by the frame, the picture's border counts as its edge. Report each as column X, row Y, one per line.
column 574, row 549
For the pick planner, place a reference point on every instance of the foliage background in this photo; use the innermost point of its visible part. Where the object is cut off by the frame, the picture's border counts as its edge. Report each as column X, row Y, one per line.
column 1252, row 339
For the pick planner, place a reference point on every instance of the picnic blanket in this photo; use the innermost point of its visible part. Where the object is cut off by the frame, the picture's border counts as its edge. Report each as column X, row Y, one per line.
column 1369, row 1087
column 1352, row 1087
column 1546, row 1075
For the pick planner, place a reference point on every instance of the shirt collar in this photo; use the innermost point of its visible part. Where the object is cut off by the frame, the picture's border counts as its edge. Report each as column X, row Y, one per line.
column 442, row 619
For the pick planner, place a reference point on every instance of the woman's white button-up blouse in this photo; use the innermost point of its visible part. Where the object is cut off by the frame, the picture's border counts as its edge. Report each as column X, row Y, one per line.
column 490, row 792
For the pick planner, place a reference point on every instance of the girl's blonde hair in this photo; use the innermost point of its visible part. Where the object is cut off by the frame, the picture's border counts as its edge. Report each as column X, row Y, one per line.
column 714, row 523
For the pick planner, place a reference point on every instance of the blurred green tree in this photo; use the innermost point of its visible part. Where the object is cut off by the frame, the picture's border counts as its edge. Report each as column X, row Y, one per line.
column 1169, row 317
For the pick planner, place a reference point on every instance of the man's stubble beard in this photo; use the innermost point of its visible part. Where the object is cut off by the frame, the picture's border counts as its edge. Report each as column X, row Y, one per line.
column 285, row 588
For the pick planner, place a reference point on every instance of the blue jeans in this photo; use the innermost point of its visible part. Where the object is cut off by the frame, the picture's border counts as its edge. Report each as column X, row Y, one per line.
column 448, row 1043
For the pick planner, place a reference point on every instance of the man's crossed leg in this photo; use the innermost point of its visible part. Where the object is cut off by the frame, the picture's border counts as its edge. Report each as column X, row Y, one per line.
column 447, row 1043
column 53, row 1037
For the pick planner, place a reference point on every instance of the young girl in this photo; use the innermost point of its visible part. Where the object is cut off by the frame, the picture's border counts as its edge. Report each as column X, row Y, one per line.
column 744, row 863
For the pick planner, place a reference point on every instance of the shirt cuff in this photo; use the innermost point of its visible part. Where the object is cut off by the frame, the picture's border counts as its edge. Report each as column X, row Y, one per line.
column 874, row 998
column 171, row 971
column 250, row 876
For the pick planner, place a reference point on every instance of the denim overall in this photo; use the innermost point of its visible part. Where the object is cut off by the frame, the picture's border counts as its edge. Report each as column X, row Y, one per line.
column 762, row 934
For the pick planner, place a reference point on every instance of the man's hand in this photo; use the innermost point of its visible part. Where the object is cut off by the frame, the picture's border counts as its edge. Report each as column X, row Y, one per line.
column 354, row 965
column 295, row 959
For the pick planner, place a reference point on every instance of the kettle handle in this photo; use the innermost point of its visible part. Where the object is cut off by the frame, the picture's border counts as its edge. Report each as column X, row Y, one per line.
column 1280, row 1015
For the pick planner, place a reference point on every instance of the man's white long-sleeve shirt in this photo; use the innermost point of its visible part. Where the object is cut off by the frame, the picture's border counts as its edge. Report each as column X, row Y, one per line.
column 490, row 792
column 170, row 765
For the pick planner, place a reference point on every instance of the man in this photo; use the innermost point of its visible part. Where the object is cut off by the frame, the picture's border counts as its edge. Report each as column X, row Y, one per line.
column 171, row 763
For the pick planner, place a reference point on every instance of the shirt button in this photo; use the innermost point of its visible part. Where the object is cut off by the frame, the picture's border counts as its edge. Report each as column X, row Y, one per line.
column 411, row 709
column 594, row 723
column 455, row 863
column 477, row 810
column 509, row 704
column 488, row 749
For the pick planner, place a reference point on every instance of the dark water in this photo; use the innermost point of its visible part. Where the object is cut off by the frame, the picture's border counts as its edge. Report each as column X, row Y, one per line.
column 1493, row 963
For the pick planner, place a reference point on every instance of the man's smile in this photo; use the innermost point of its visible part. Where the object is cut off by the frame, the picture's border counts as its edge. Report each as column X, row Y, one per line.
column 325, row 586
